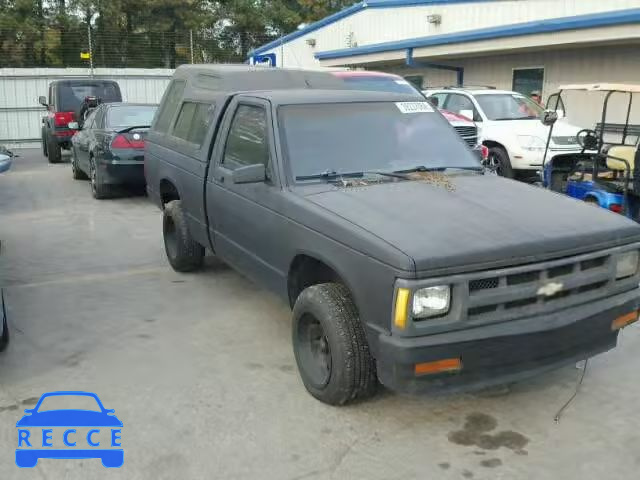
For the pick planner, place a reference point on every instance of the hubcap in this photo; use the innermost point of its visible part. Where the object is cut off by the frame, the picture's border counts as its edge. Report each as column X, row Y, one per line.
column 314, row 351
column 494, row 163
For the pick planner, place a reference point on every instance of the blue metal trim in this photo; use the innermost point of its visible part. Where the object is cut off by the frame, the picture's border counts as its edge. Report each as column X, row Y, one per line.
column 410, row 61
column 592, row 20
column 349, row 11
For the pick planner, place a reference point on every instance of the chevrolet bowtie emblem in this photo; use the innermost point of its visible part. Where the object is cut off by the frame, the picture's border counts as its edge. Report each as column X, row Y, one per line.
column 550, row 289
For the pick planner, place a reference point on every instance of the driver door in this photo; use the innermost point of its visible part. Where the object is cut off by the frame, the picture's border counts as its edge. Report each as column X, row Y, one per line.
column 247, row 229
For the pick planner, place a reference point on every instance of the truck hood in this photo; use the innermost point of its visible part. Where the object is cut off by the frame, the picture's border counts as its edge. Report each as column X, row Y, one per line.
column 468, row 222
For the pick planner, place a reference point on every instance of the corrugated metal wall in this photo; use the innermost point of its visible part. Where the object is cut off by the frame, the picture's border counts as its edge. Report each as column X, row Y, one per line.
column 376, row 25
column 20, row 113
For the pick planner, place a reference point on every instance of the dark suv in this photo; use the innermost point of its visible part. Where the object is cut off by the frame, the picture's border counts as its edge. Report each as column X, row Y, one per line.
column 63, row 105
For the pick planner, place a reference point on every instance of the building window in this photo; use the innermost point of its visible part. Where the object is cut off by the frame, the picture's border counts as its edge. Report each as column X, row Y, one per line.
column 415, row 80
column 527, row 80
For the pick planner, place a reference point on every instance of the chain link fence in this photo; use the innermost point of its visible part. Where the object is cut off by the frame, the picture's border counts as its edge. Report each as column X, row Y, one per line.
column 80, row 46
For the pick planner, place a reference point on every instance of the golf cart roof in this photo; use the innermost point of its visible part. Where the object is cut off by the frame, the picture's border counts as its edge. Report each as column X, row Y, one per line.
column 603, row 87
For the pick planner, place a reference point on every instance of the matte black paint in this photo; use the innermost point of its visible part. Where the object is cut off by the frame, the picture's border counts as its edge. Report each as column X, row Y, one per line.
column 372, row 236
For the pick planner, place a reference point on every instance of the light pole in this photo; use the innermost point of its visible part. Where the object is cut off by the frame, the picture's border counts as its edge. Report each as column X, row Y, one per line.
column 92, row 21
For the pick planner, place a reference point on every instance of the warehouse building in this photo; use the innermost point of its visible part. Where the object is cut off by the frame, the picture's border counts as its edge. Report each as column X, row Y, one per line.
column 522, row 45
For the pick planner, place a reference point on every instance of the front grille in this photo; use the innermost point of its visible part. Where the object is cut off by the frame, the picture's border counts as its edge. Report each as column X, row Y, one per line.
column 538, row 288
column 468, row 134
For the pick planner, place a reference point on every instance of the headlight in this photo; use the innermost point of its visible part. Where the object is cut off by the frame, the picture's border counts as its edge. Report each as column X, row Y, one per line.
column 627, row 265
column 533, row 144
column 431, row 301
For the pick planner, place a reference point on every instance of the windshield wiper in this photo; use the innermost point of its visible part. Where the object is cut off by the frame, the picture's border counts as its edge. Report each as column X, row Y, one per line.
column 528, row 117
column 422, row 168
column 136, row 127
column 332, row 174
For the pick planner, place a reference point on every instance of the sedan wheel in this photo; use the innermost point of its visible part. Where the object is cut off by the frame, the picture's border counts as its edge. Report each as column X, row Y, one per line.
column 98, row 189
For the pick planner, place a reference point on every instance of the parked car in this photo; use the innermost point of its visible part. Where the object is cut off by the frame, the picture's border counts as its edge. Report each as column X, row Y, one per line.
column 388, row 82
column 63, row 106
column 5, row 163
column 509, row 125
column 401, row 259
column 109, row 148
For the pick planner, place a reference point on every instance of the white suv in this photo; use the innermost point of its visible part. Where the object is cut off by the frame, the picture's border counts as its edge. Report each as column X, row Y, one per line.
column 509, row 125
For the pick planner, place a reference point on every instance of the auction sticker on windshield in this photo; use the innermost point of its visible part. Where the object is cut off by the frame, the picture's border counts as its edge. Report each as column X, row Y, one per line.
column 414, row 107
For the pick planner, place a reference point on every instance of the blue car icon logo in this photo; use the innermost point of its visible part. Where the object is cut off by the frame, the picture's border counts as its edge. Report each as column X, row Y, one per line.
column 69, row 433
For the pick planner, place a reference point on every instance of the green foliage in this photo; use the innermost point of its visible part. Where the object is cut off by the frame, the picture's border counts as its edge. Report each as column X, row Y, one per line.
column 146, row 33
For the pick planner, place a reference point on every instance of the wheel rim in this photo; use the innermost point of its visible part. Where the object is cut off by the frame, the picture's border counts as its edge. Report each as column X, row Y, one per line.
column 170, row 237
column 314, row 352
column 494, row 163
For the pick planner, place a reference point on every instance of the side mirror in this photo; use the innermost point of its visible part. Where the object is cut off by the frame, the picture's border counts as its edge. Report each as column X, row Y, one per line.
column 42, row 100
column 250, row 174
column 74, row 125
column 549, row 117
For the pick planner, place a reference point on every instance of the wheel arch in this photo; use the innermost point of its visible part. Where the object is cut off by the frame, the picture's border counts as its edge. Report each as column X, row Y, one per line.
column 168, row 191
column 307, row 269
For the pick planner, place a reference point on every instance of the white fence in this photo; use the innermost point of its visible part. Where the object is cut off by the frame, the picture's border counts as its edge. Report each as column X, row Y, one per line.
column 21, row 114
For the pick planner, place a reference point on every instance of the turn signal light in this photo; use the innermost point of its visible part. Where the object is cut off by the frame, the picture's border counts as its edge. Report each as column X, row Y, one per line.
column 624, row 320
column 402, row 308
column 439, row 366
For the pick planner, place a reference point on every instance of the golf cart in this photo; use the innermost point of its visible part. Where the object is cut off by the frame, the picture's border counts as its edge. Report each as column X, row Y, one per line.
column 607, row 171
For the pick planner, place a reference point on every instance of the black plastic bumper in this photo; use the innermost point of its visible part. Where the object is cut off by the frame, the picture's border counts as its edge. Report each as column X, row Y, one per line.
column 122, row 173
column 524, row 348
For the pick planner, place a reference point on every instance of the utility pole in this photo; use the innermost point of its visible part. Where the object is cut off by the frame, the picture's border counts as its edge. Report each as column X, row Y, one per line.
column 191, row 43
column 90, row 48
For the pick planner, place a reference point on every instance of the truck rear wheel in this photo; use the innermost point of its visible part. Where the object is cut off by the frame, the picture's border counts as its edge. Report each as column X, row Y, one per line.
column 54, row 152
column 183, row 252
column 44, row 145
column 330, row 346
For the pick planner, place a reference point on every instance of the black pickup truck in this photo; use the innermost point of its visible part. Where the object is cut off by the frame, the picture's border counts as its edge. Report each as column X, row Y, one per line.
column 404, row 261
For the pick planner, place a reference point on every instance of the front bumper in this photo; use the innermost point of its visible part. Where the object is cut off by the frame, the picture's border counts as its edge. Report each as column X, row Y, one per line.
column 532, row 160
column 504, row 352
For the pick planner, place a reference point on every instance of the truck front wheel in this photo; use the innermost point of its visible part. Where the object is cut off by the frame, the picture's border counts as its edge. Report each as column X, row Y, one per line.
column 183, row 252
column 330, row 346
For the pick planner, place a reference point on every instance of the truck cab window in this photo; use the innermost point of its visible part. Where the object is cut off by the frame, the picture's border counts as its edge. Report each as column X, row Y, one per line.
column 247, row 142
column 169, row 106
column 193, row 122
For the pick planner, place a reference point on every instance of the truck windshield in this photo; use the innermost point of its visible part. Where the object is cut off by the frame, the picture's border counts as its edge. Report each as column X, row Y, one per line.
column 359, row 137
column 509, row 106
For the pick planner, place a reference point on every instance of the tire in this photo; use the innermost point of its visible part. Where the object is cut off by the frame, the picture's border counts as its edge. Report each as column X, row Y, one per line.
column 75, row 169
column 54, row 152
column 499, row 158
column 99, row 190
column 44, row 144
column 4, row 338
column 183, row 252
column 327, row 335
